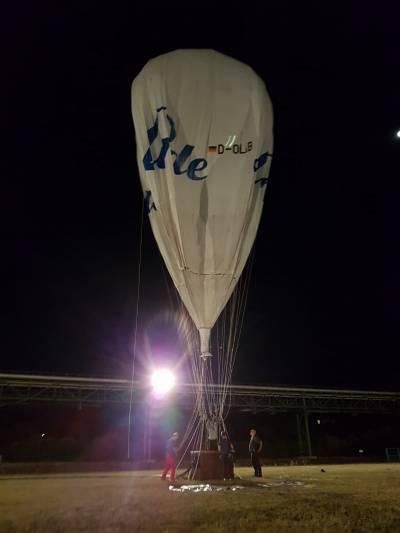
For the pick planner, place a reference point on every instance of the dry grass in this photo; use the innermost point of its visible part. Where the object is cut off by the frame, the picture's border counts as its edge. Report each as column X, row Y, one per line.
column 356, row 498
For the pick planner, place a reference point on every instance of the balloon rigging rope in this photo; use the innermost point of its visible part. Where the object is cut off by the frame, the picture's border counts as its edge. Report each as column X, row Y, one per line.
column 226, row 356
column 213, row 398
column 135, row 332
column 240, row 316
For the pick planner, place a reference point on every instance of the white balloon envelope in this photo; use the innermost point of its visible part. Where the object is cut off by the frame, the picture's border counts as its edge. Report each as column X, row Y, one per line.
column 203, row 124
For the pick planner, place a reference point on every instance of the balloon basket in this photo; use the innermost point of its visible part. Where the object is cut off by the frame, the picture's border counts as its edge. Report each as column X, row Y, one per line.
column 206, row 465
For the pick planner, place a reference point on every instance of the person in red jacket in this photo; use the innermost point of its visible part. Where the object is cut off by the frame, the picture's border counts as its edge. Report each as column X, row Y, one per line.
column 170, row 457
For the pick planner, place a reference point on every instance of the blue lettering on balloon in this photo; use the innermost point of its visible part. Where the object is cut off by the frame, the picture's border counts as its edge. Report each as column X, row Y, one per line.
column 258, row 163
column 148, row 203
column 181, row 158
column 195, row 166
column 152, row 134
column 262, row 181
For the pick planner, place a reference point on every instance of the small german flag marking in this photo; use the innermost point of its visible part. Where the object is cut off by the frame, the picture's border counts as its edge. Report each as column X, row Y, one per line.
column 212, row 148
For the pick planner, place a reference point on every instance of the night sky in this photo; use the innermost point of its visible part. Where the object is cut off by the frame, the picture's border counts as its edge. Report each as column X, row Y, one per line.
column 323, row 304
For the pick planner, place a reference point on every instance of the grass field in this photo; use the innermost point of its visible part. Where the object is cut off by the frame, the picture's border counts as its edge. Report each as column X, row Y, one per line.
column 357, row 498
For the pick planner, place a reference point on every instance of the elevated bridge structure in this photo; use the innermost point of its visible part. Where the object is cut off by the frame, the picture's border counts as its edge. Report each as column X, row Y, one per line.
column 22, row 389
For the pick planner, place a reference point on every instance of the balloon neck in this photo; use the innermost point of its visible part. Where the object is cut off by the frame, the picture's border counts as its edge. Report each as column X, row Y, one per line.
column 205, row 343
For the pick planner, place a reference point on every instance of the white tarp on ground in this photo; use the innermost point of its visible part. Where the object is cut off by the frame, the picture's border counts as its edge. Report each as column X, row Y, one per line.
column 208, row 487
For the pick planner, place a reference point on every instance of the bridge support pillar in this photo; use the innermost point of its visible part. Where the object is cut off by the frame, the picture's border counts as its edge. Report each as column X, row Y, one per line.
column 307, row 428
column 299, row 434
column 303, row 433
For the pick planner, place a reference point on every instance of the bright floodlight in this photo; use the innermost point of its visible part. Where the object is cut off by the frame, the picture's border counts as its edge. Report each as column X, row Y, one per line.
column 162, row 381
column 398, row 134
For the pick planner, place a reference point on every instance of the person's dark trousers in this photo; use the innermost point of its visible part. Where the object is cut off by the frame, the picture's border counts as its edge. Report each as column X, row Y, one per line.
column 228, row 467
column 255, row 461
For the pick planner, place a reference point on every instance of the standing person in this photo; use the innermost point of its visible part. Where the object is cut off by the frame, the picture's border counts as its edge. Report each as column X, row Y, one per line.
column 212, row 432
column 255, row 447
column 226, row 450
column 170, row 457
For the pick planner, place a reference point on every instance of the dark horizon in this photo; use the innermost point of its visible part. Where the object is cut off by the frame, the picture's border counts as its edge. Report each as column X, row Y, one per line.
column 323, row 300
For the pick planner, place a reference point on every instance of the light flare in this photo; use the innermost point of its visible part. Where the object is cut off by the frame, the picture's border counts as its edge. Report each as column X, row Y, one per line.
column 162, row 381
